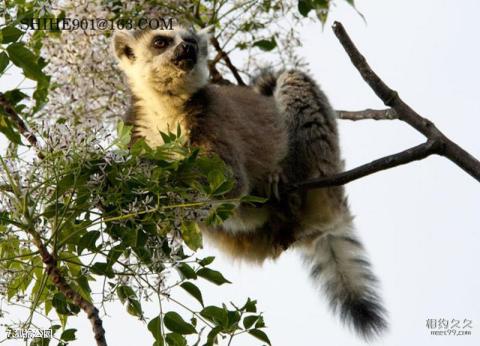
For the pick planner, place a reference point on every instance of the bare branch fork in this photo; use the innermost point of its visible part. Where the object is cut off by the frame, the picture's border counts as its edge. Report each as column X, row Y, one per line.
column 437, row 142
column 224, row 56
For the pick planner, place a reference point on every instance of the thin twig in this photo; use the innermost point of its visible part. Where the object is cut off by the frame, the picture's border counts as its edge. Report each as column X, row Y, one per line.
column 227, row 60
column 216, row 76
column 19, row 123
column 448, row 148
column 373, row 114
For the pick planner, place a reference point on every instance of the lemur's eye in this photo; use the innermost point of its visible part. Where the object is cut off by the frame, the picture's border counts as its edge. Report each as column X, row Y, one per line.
column 161, row 42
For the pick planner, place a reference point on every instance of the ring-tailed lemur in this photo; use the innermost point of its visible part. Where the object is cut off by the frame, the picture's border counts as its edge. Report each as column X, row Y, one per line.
column 282, row 126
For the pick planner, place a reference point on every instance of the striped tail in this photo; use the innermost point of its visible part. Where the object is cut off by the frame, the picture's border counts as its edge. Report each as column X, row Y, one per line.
column 338, row 262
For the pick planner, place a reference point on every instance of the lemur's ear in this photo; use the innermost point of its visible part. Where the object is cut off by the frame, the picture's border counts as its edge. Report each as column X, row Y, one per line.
column 123, row 45
column 204, row 36
column 206, row 32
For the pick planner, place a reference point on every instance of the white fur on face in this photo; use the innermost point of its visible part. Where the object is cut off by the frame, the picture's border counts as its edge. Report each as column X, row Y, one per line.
column 156, row 70
column 160, row 87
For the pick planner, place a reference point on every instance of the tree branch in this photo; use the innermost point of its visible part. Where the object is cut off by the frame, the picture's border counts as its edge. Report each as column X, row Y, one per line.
column 49, row 260
column 19, row 123
column 226, row 59
column 216, row 76
column 448, row 148
column 62, row 285
column 374, row 114
column 416, row 153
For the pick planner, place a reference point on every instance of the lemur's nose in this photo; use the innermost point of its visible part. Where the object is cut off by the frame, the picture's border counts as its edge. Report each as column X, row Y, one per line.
column 185, row 51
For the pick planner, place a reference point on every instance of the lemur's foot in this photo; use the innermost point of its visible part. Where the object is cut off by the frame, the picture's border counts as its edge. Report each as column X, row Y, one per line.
column 275, row 179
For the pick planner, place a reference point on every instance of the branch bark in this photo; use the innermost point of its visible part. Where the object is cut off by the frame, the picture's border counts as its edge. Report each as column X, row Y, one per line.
column 224, row 56
column 416, row 153
column 374, row 114
column 62, row 285
column 447, row 148
column 19, row 123
column 215, row 75
column 47, row 258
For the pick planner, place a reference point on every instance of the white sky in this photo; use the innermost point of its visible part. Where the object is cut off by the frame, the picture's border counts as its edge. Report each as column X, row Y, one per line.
column 419, row 222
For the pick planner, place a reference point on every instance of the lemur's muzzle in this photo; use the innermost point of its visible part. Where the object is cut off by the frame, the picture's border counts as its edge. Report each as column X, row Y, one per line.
column 185, row 56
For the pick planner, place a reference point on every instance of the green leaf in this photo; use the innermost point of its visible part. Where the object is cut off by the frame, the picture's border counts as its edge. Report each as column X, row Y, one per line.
column 40, row 94
column 165, row 137
column 233, row 319
column 179, row 130
column 85, row 289
column 250, row 306
column 191, row 235
column 102, row 268
column 175, row 323
column 54, row 209
column 318, row 4
column 260, row 323
column 26, row 60
column 114, row 254
column 62, row 307
column 125, row 292
column 55, row 327
column 3, row 61
column 212, row 336
column 40, row 341
column 266, row 45
column 174, row 339
column 6, row 125
column 193, row 290
column 304, row 7
column 249, row 321
column 60, row 304
column 215, row 179
column 14, row 96
column 154, row 326
column 68, row 335
column 215, row 314
column 206, row 261
column 220, row 214
column 124, row 134
column 213, row 276
column 134, row 308
column 322, row 15
column 88, row 241
column 8, row 129
column 253, row 199
column 10, row 34
column 186, row 271
column 259, row 335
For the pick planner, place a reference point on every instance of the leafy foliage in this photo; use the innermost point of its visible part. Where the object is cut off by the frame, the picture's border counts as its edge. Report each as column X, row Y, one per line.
column 117, row 214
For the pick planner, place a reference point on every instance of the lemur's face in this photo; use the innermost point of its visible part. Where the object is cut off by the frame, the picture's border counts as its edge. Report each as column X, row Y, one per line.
column 169, row 61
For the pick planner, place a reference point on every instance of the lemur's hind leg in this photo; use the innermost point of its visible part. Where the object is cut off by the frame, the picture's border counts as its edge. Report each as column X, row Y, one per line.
column 324, row 229
column 311, row 122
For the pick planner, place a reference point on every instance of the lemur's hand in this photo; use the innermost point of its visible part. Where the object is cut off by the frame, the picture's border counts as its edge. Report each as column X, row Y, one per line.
column 275, row 180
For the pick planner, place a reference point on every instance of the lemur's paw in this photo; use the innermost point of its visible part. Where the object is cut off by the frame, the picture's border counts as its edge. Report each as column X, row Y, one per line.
column 275, row 179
